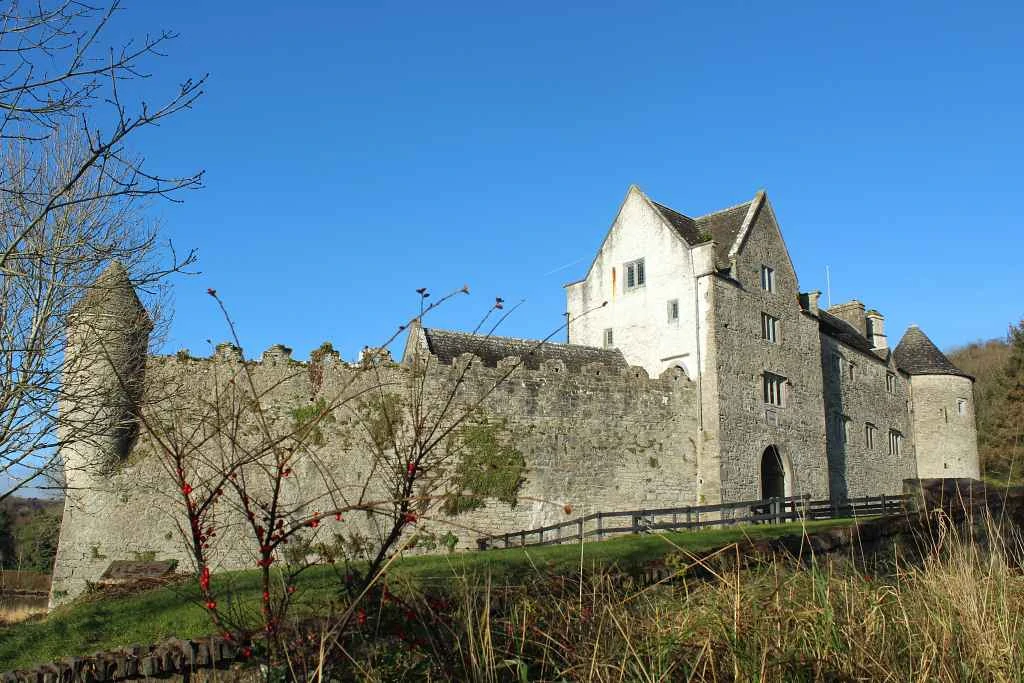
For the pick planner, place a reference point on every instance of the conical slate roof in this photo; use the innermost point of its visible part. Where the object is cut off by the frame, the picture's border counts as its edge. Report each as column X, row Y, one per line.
column 916, row 354
column 112, row 294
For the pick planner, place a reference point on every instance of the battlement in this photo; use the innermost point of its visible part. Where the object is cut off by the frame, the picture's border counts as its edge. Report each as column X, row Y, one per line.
column 325, row 367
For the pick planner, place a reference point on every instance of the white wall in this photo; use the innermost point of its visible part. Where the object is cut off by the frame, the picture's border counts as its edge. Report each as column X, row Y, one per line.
column 639, row 317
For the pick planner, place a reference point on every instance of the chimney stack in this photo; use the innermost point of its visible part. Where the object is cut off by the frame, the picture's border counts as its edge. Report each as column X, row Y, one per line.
column 809, row 301
column 852, row 312
column 876, row 330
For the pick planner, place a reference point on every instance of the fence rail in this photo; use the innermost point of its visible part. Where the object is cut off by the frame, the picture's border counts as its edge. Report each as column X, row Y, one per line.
column 767, row 511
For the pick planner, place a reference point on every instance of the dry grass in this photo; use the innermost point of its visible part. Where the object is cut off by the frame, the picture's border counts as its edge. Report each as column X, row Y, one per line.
column 33, row 582
column 15, row 614
column 957, row 616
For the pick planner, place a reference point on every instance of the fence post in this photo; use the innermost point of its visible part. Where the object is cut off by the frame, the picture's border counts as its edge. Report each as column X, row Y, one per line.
column 505, row 538
column 522, row 539
column 883, row 504
column 689, row 517
column 541, row 535
column 579, row 524
column 600, row 528
column 835, row 508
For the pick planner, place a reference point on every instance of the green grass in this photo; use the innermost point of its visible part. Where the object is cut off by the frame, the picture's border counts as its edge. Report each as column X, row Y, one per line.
column 91, row 625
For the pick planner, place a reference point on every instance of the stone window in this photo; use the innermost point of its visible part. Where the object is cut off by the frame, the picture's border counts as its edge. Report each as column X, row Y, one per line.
column 773, row 388
column 890, row 383
column 636, row 277
column 869, row 435
column 895, row 442
column 767, row 279
column 853, row 371
column 961, row 406
column 837, row 364
column 609, row 338
column 673, row 311
column 769, row 328
column 844, row 426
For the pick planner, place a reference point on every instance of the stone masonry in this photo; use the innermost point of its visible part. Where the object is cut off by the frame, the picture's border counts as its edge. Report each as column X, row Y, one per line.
column 697, row 372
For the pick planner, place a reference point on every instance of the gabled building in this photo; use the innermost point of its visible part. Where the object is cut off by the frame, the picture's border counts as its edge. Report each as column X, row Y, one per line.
column 793, row 398
column 707, row 377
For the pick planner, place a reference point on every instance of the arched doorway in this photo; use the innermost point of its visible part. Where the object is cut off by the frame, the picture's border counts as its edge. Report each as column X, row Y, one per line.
column 773, row 474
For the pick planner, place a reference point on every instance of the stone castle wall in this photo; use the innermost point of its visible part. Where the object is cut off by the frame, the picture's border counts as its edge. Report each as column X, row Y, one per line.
column 595, row 440
column 944, row 421
column 744, row 423
column 860, row 397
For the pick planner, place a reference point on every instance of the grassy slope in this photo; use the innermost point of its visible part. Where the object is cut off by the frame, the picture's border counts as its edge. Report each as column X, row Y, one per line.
column 94, row 625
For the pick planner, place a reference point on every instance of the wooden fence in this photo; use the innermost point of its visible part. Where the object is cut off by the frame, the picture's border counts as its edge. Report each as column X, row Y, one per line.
column 768, row 511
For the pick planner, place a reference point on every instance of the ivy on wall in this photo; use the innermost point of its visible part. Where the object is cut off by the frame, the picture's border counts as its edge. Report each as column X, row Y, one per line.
column 488, row 466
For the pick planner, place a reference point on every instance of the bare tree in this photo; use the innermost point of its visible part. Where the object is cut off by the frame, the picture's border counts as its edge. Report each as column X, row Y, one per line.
column 70, row 191
column 244, row 465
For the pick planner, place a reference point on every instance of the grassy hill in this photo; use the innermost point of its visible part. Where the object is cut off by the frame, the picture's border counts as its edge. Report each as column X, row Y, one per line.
column 96, row 623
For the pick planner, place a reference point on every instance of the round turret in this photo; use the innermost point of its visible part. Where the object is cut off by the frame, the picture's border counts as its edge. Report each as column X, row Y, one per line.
column 945, row 432
column 108, row 337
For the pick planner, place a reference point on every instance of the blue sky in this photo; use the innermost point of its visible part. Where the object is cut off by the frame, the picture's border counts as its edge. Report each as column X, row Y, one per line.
column 355, row 154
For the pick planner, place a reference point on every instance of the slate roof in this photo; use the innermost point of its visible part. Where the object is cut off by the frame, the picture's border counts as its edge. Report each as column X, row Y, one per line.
column 684, row 225
column 838, row 328
column 916, row 354
column 722, row 226
column 448, row 346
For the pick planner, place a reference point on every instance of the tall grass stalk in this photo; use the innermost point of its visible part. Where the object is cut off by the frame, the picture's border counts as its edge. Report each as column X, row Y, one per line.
column 952, row 615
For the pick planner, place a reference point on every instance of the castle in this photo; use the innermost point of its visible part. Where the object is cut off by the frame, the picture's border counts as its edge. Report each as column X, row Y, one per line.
column 695, row 372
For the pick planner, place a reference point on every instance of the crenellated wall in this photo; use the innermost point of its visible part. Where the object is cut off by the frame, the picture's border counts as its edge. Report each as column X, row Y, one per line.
column 597, row 439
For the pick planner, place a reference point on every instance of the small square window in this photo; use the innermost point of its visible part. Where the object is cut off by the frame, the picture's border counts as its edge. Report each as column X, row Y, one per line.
column 767, row 279
column 961, row 406
column 772, row 386
column 869, row 435
column 895, row 442
column 673, row 311
column 769, row 328
column 609, row 338
column 635, row 275
column 890, row 383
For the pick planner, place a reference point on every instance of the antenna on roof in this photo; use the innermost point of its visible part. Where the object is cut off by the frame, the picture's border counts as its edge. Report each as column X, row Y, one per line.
column 828, row 288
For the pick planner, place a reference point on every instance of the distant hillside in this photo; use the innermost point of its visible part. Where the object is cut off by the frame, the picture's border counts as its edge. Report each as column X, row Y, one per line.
column 28, row 533
column 999, row 401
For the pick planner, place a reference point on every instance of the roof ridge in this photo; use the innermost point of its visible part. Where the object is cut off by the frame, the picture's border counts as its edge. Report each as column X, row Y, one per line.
column 665, row 206
column 728, row 208
column 513, row 339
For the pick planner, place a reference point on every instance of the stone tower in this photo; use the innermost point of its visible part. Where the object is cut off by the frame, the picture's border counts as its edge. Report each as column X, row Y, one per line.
column 107, row 340
column 943, row 400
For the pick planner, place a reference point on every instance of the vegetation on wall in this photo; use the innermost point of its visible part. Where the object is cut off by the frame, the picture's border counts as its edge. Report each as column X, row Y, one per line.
column 308, row 422
column 488, row 467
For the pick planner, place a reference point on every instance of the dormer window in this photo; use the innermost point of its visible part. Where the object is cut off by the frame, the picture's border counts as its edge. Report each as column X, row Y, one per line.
column 635, row 275
column 767, row 279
